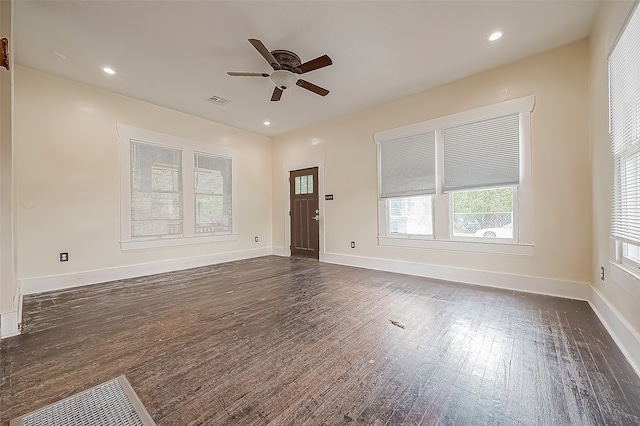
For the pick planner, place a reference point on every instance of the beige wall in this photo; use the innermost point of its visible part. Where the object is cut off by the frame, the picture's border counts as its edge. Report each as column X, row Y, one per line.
column 8, row 291
column 610, row 22
column 560, row 166
column 68, row 176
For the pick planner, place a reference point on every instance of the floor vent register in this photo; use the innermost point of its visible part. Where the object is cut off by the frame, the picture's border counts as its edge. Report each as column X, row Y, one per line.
column 111, row 403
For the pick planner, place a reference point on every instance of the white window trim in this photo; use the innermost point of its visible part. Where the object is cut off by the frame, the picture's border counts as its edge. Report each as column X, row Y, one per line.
column 188, row 147
column 443, row 238
column 624, row 272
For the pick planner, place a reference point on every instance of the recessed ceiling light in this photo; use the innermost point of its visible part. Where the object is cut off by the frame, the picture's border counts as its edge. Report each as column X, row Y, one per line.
column 267, row 123
column 495, row 36
column 108, row 70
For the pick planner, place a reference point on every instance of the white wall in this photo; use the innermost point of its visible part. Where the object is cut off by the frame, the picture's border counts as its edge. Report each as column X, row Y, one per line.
column 624, row 302
column 68, row 183
column 560, row 171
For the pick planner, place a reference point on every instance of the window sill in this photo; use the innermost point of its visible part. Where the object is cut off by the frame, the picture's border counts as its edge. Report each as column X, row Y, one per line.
column 171, row 242
column 467, row 246
column 626, row 277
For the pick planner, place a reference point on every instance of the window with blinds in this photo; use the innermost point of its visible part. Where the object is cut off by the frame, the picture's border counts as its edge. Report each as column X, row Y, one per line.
column 461, row 177
column 174, row 191
column 407, row 181
column 482, row 154
column 212, row 194
column 408, row 166
column 624, row 119
column 156, row 191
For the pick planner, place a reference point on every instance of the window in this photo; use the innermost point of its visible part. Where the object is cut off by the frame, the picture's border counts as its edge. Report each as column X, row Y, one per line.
column 174, row 191
column 407, row 181
column 459, row 182
column 485, row 213
column 156, row 191
column 303, row 185
column 410, row 215
column 213, row 194
column 480, row 155
column 624, row 126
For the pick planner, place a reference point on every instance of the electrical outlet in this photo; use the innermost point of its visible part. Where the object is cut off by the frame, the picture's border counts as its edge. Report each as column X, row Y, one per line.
column 602, row 273
column 353, row 244
column 256, row 238
column 64, row 257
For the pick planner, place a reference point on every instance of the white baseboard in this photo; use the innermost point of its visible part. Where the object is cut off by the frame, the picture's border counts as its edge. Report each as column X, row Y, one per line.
column 279, row 251
column 622, row 333
column 9, row 325
column 60, row 282
column 539, row 285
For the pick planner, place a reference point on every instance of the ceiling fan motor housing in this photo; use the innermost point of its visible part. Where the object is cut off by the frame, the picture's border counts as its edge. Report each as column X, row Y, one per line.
column 287, row 60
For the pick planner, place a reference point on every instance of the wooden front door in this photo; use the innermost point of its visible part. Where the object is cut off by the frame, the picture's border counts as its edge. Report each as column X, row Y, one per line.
column 305, row 213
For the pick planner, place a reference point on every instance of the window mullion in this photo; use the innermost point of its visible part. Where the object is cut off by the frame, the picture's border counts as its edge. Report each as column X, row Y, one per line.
column 188, row 193
column 515, row 213
column 441, row 203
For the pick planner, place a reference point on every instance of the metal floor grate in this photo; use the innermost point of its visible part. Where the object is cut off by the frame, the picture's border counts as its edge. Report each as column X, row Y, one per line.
column 111, row 403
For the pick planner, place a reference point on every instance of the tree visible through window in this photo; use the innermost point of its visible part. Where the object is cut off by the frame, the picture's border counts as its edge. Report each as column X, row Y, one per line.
column 485, row 213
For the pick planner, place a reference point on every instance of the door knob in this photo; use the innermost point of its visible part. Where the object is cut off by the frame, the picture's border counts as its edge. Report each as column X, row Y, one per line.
column 316, row 217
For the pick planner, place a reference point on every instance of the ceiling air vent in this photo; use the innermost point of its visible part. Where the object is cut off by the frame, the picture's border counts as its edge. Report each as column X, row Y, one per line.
column 218, row 100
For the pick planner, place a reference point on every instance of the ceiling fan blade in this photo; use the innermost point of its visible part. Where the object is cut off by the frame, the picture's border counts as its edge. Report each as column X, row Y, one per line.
column 277, row 94
column 312, row 87
column 265, row 53
column 314, row 64
column 247, row 74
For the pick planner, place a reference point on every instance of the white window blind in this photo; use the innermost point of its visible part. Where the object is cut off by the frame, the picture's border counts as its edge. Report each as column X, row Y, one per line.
column 482, row 154
column 624, row 118
column 407, row 166
column 156, row 191
column 212, row 194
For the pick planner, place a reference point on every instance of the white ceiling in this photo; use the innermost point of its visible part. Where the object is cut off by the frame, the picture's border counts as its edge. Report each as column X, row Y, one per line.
column 176, row 53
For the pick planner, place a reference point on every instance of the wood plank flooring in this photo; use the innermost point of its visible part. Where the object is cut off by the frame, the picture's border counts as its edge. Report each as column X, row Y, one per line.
column 288, row 341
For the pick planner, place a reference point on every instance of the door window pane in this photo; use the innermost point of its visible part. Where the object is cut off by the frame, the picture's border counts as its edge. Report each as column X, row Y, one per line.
column 297, row 184
column 310, row 184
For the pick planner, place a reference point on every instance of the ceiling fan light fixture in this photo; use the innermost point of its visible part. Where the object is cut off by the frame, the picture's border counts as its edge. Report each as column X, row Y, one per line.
column 284, row 79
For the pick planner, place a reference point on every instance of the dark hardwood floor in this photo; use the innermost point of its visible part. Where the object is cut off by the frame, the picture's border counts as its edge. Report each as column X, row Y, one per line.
column 293, row 341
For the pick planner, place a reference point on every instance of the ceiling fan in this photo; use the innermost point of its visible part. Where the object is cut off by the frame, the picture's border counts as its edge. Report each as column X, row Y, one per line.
column 286, row 67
